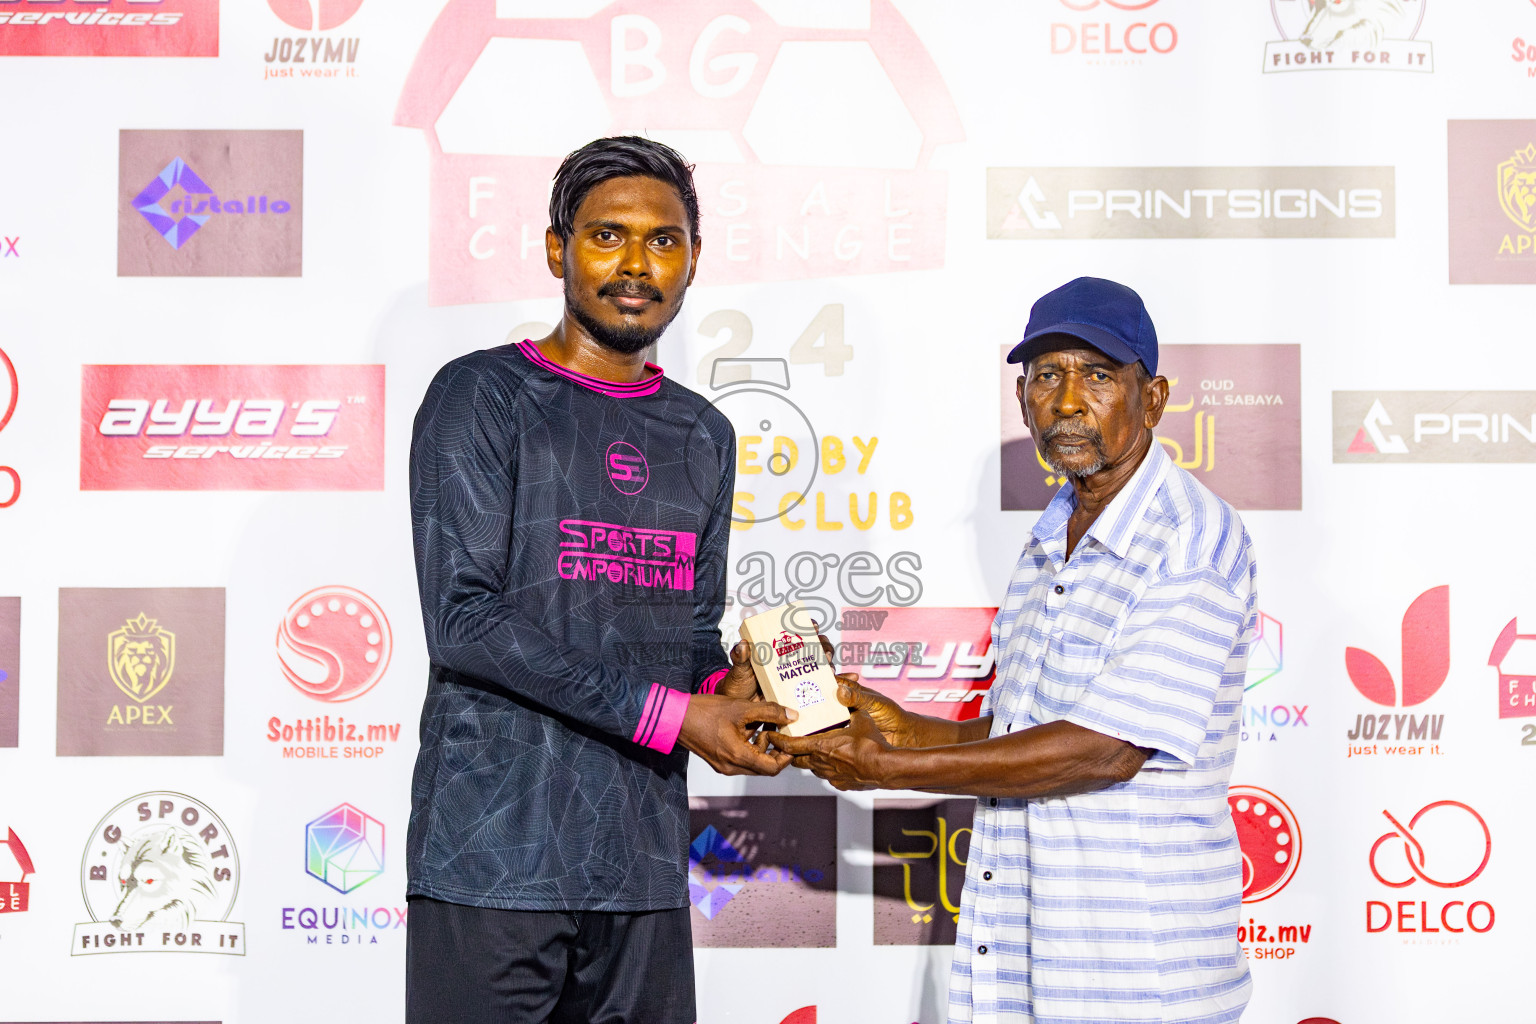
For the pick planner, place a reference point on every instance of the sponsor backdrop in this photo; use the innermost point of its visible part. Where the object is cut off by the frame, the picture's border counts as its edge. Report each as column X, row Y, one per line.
column 270, row 222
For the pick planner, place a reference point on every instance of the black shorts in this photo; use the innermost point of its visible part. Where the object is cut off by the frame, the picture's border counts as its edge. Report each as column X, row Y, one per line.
column 474, row 964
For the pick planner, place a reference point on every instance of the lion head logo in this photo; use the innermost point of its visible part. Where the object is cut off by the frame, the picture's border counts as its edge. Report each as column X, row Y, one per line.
column 140, row 657
column 1517, row 187
column 165, row 878
column 1345, row 23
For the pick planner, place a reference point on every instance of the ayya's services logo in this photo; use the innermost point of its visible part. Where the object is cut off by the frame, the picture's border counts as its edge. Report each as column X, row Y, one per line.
column 745, row 96
column 160, row 874
column 210, row 204
column 109, row 28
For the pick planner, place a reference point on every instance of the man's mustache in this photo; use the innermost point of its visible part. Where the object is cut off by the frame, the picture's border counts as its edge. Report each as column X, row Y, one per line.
column 631, row 289
column 1057, row 430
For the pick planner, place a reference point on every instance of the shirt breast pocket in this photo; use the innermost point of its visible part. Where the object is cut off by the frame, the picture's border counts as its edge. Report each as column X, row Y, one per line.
column 1071, row 664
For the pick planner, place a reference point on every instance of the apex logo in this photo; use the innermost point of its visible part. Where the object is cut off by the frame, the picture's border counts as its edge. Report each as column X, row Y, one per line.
column 1426, row 655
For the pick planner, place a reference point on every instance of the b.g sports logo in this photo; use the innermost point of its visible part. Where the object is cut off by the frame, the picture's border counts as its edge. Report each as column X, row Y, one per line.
column 184, row 428
column 160, row 874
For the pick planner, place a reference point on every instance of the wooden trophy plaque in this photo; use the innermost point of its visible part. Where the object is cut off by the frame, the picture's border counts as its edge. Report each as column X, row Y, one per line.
column 792, row 669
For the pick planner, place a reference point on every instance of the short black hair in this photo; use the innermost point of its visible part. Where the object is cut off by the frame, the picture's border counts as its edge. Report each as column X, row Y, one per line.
column 622, row 156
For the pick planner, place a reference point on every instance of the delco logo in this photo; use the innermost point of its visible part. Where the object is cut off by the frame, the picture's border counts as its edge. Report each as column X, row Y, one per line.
column 745, row 96
column 109, row 28
column 936, row 661
column 232, row 428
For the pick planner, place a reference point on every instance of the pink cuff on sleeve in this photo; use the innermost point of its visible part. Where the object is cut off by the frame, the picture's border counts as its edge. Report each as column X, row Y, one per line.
column 662, row 718
column 708, row 685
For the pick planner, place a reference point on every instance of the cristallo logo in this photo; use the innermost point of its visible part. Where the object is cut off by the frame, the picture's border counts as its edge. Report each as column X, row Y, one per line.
column 141, row 656
column 814, row 145
column 334, row 643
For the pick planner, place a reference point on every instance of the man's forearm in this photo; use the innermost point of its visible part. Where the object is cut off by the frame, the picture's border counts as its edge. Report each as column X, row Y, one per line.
column 1056, row 759
column 926, row 731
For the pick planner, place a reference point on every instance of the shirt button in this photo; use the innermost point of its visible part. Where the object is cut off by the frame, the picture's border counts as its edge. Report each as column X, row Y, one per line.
column 986, row 876
column 994, row 801
column 982, row 950
column 1060, row 589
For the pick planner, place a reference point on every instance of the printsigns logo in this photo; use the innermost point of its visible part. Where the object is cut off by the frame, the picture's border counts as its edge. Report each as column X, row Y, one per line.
column 244, row 203
column 1361, row 35
column 15, row 866
column 921, row 849
column 232, row 428
column 770, row 861
column 110, row 28
column 1270, row 837
column 344, row 848
column 1434, row 426
column 160, row 874
column 10, row 670
column 1426, row 660
column 627, row 469
column 1120, row 34
column 163, row 649
column 1492, row 202
column 334, row 643
column 141, row 655
column 936, row 661
column 745, row 97
column 1514, row 658
column 1233, row 419
column 1090, row 203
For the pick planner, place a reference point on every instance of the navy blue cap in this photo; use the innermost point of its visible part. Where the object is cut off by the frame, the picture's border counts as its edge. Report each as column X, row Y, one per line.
column 1108, row 316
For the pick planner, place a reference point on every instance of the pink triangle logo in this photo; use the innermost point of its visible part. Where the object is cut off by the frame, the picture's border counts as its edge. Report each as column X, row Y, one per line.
column 1361, row 445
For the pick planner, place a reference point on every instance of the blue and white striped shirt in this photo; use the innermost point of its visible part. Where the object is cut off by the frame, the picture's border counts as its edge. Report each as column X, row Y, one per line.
column 1120, row 905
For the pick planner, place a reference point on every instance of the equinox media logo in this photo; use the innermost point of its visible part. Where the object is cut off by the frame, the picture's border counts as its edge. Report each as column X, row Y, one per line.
column 344, row 848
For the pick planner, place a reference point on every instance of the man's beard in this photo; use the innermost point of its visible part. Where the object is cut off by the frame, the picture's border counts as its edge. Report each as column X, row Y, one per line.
column 1089, row 434
column 632, row 336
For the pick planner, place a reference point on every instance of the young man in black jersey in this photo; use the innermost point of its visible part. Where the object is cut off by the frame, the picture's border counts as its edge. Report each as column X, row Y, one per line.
column 571, row 509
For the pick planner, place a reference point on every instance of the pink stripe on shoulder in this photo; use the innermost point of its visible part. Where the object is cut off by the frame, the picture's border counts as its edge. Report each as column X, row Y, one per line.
column 647, row 385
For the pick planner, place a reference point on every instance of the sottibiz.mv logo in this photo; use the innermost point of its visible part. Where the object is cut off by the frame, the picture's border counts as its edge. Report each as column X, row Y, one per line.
column 814, row 145
column 241, row 428
column 109, row 28
column 160, row 874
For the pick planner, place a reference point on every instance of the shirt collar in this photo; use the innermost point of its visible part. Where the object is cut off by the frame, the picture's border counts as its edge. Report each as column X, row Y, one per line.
column 1116, row 525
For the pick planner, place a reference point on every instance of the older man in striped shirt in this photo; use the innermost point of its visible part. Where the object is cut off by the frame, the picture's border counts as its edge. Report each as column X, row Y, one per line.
column 1105, row 879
